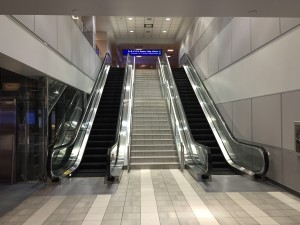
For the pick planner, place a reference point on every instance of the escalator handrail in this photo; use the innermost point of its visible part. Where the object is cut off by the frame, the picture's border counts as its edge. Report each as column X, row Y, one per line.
column 56, row 99
column 64, row 118
column 263, row 150
column 121, row 109
column 178, row 110
column 72, row 141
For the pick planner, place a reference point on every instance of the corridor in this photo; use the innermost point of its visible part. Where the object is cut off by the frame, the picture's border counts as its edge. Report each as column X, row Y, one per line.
column 152, row 197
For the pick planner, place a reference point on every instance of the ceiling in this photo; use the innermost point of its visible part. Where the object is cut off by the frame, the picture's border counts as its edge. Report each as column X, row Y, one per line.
column 158, row 8
column 145, row 27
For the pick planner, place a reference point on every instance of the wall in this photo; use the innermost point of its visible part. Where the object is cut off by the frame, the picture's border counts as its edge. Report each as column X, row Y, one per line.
column 73, row 60
column 251, row 68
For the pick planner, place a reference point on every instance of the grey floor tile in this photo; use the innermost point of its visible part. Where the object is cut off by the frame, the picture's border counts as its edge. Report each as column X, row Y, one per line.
column 131, row 209
column 72, row 222
column 163, row 208
column 246, row 221
column 75, row 217
column 111, row 222
column 56, row 218
column 238, row 213
column 169, row 222
column 283, row 220
column 131, row 222
column 114, row 209
column 189, row 222
column 227, row 221
column 52, row 223
column 167, row 215
column 112, row 216
column 131, row 216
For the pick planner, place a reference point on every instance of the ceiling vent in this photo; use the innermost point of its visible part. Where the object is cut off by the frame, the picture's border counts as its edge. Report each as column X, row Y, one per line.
column 148, row 25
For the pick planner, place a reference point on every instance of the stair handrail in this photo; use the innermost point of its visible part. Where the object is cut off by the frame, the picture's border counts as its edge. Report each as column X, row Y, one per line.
column 186, row 139
column 56, row 98
column 55, row 150
column 189, row 68
column 115, row 162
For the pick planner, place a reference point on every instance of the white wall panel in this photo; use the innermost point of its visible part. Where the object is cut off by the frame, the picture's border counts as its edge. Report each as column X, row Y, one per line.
column 77, row 53
column 271, row 69
column 241, row 42
column 291, row 168
column 263, row 30
column 13, row 38
column 86, row 55
column 64, row 45
column 290, row 113
column 275, row 163
column 241, row 113
column 266, row 120
column 288, row 23
column 203, row 62
column 225, row 47
column 213, row 60
column 46, row 28
column 226, row 111
column 27, row 20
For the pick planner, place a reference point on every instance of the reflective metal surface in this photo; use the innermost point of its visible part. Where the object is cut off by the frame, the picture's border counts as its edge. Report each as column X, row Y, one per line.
column 7, row 140
column 250, row 159
column 66, row 155
column 121, row 148
column 192, row 155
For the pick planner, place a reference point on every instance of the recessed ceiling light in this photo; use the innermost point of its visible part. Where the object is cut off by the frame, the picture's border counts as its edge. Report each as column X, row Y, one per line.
column 168, row 19
column 129, row 18
column 138, row 49
column 170, row 50
column 131, row 31
column 168, row 56
column 138, row 56
column 164, row 31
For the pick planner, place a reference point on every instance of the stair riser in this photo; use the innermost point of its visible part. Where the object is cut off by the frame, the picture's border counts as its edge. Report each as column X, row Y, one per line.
column 153, row 160
column 163, row 123
column 152, row 142
column 150, row 137
column 154, row 166
column 151, row 147
column 151, row 153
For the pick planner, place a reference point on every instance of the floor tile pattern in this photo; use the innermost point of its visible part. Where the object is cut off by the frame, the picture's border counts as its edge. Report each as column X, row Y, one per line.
column 158, row 197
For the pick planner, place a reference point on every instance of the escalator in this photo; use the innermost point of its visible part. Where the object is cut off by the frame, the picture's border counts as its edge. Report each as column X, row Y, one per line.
column 103, row 133
column 206, row 145
column 92, row 140
column 199, row 126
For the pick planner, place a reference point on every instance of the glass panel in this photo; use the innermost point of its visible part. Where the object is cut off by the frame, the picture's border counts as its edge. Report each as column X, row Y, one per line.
column 192, row 154
column 245, row 157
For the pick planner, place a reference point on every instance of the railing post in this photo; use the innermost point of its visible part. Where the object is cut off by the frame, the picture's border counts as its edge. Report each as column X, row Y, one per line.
column 128, row 158
column 182, row 156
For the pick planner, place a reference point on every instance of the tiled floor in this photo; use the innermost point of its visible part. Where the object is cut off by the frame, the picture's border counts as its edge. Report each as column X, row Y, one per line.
column 159, row 197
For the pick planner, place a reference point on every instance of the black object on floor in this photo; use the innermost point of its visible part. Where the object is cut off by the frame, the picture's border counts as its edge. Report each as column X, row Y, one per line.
column 198, row 123
column 103, row 133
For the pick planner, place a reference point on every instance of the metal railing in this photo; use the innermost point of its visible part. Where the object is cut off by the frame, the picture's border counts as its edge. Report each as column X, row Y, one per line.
column 250, row 159
column 194, row 156
column 116, row 154
column 65, row 158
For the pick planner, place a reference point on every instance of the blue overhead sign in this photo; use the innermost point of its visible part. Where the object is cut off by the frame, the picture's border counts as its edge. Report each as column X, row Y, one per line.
column 143, row 52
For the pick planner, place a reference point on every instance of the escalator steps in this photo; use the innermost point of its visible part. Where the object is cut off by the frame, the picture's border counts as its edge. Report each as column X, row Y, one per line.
column 198, row 123
column 103, row 133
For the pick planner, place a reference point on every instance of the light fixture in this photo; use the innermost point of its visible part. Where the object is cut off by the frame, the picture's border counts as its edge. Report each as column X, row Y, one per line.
column 131, row 31
column 139, row 56
column 164, row 31
column 170, row 50
column 75, row 13
column 138, row 49
column 168, row 19
column 129, row 18
column 168, row 56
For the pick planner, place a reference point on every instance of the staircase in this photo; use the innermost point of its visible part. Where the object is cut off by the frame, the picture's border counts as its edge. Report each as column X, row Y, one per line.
column 198, row 123
column 152, row 142
column 103, row 133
